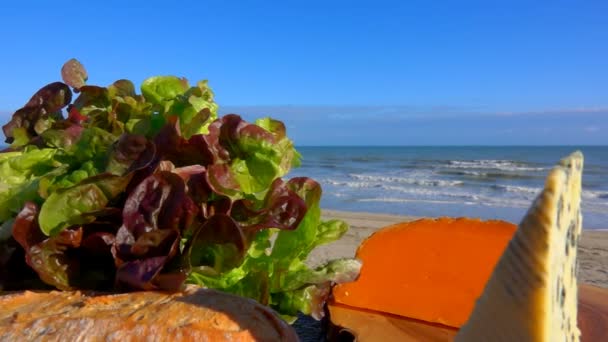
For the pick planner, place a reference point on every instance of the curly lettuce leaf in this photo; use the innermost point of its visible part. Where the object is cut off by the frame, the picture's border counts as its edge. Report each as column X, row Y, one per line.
column 257, row 156
column 20, row 172
column 67, row 207
column 155, row 214
column 47, row 256
column 274, row 270
column 38, row 114
column 160, row 89
column 218, row 244
column 130, row 152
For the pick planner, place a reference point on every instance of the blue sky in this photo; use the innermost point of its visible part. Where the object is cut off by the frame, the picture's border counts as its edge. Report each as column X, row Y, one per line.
column 341, row 72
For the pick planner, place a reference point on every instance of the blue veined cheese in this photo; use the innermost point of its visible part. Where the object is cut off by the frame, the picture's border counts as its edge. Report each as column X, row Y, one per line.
column 532, row 294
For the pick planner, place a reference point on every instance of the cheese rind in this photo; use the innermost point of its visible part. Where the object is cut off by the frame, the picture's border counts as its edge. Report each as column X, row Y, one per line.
column 429, row 269
column 532, row 293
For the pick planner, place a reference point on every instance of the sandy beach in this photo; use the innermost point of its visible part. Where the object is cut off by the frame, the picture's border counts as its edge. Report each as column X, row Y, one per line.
column 593, row 247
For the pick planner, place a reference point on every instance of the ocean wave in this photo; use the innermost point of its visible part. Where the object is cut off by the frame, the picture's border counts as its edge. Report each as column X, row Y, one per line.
column 408, row 200
column 366, row 159
column 482, row 202
column 516, row 189
column 594, row 207
column 430, row 192
column 489, row 176
column 586, row 194
column 497, row 164
column 404, row 180
column 419, row 192
column 351, row 184
column 430, row 187
column 595, row 194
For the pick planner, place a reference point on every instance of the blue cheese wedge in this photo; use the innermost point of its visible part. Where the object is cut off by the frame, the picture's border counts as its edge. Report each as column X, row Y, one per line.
column 532, row 293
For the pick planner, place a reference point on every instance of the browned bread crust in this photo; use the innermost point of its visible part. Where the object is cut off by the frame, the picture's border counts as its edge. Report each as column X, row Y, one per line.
column 192, row 315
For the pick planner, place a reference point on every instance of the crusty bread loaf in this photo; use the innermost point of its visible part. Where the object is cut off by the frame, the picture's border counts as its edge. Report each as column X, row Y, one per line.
column 192, row 315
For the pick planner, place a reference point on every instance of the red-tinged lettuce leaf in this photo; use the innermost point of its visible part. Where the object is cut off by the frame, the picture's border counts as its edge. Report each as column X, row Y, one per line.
column 39, row 113
column 155, row 214
column 158, row 202
column 154, row 251
column 107, row 220
column 15, row 274
column 258, row 156
column 92, row 99
column 99, row 243
column 139, row 274
column 194, row 122
column 296, row 244
column 132, row 110
column 198, row 188
column 25, row 228
column 171, row 281
column 74, row 74
column 14, row 271
column 122, row 88
column 93, row 145
column 62, row 138
column 154, row 243
column 276, row 127
column 212, row 139
column 222, row 180
column 199, row 149
column 186, row 172
column 219, row 243
column 75, row 117
column 50, row 258
column 219, row 205
column 51, row 98
column 130, row 153
column 282, row 208
column 97, row 269
column 95, row 103
column 201, row 192
column 307, row 188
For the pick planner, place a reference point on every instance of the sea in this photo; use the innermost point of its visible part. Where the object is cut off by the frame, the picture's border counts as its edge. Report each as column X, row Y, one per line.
column 472, row 181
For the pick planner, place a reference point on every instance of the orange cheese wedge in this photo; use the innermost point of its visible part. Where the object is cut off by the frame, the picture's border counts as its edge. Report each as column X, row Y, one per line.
column 430, row 269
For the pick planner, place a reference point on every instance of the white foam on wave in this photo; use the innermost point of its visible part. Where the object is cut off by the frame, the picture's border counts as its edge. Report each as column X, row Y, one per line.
column 351, row 184
column 405, row 180
column 517, row 189
column 484, row 202
column 431, row 192
column 408, row 200
column 591, row 194
column 495, row 164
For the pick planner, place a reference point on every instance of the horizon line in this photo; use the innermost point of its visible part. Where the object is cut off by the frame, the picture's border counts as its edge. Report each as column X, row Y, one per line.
column 460, row 145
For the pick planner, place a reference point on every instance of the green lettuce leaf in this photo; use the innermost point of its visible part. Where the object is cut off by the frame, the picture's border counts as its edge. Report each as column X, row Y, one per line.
column 20, row 173
column 160, row 89
column 70, row 206
column 274, row 270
